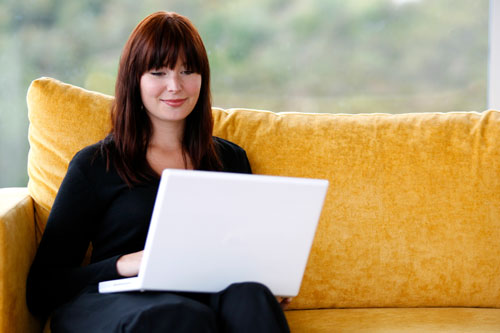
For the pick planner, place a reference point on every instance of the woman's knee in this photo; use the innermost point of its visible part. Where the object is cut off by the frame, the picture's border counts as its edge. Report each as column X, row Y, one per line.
column 245, row 289
column 251, row 307
column 250, row 295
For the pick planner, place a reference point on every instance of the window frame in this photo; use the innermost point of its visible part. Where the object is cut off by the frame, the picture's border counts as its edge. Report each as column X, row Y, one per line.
column 494, row 56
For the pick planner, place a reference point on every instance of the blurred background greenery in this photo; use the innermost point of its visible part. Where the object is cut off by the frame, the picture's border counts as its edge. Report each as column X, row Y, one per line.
column 359, row 56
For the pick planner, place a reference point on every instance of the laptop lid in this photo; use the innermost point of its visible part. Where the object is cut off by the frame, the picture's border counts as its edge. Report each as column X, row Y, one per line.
column 211, row 229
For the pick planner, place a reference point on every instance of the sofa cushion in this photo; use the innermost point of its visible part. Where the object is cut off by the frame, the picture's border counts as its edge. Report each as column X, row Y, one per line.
column 395, row 320
column 412, row 215
column 63, row 119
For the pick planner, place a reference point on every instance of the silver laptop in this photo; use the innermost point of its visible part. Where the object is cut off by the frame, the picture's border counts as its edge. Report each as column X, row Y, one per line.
column 211, row 229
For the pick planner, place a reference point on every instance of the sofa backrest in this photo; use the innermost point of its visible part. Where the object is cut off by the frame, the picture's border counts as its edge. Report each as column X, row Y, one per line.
column 412, row 215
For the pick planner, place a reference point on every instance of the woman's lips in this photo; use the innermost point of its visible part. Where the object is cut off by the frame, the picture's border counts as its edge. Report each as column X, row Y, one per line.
column 174, row 102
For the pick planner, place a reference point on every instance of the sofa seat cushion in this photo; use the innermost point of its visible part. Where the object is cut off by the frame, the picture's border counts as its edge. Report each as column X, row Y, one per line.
column 395, row 320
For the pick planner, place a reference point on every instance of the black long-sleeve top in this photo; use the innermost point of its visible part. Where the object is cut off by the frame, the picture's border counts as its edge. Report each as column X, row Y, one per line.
column 94, row 205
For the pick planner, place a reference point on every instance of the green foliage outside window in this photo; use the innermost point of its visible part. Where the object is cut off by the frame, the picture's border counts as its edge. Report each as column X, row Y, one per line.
column 281, row 55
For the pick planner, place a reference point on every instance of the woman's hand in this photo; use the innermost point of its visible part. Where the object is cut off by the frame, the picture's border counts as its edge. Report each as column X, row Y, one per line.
column 128, row 265
column 284, row 301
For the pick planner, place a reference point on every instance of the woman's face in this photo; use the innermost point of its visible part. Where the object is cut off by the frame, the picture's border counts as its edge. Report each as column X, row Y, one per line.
column 169, row 95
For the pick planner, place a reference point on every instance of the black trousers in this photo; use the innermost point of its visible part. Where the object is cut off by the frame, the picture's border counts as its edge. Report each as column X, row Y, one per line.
column 242, row 307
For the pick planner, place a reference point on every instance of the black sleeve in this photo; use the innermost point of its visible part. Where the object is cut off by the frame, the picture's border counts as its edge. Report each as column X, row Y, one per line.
column 233, row 157
column 56, row 274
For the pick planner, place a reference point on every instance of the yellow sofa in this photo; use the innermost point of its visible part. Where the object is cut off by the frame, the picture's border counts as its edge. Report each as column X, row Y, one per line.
column 409, row 237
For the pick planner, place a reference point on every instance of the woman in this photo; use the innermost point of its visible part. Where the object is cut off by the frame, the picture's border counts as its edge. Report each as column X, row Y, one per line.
column 161, row 119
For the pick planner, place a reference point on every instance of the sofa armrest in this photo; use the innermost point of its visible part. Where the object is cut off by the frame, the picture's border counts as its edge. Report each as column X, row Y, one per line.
column 17, row 250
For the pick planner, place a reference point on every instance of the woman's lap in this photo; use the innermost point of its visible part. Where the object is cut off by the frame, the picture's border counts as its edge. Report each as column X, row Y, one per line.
column 241, row 307
column 133, row 312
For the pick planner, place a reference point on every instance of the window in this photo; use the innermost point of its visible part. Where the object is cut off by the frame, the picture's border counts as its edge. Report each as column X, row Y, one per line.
column 309, row 56
column 494, row 59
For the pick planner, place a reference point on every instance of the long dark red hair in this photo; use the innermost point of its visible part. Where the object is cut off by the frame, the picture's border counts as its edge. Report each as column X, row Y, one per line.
column 158, row 41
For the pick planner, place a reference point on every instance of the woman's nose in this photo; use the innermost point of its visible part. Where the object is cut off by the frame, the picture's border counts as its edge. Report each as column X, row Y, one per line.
column 173, row 83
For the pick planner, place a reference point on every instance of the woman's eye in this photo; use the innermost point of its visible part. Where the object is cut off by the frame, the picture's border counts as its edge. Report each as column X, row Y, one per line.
column 187, row 72
column 157, row 73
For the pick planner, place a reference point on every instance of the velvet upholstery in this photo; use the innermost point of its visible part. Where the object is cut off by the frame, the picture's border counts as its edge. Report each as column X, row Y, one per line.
column 17, row 250
column 411, row 219
column 395, row 320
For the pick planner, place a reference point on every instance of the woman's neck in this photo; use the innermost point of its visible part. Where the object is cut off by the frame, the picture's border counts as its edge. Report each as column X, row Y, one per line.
column 167, row 136
column 165, row 148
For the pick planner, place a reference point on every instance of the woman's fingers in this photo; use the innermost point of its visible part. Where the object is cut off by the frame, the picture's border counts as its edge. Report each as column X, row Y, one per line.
column 284, row 301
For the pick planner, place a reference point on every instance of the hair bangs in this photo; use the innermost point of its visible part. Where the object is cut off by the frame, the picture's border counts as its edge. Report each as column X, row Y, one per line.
column 171, row 44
